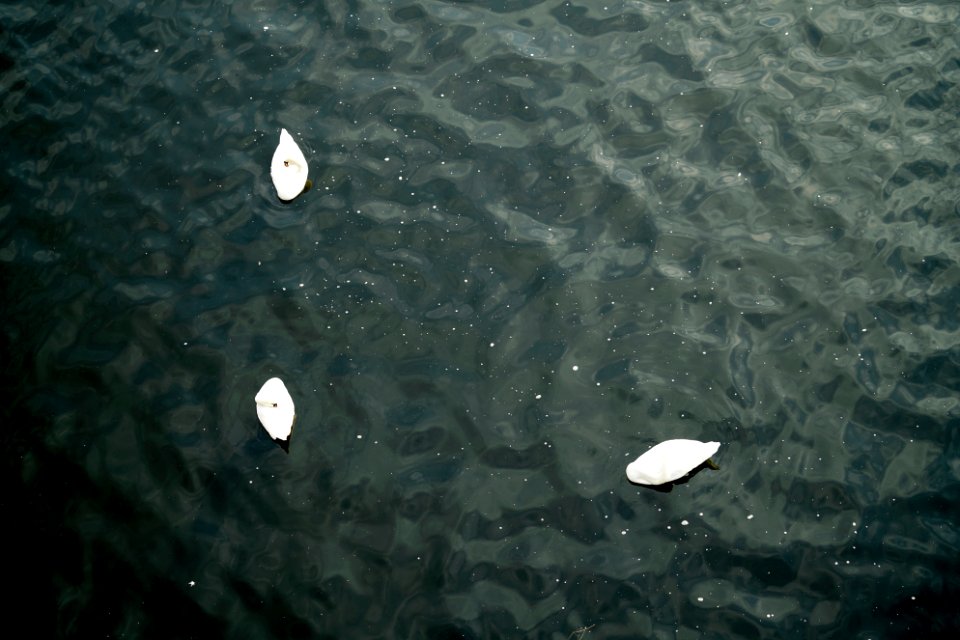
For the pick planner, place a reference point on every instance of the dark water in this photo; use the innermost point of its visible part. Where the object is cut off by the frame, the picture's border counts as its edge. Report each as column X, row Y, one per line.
column 542, row 237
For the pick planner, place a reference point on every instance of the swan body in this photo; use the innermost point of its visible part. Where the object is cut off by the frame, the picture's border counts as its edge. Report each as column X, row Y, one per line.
column 669, row 461
column 275, row 409
column 288, row 168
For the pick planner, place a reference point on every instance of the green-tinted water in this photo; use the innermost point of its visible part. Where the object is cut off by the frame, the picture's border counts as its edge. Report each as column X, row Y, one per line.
column 542, row 237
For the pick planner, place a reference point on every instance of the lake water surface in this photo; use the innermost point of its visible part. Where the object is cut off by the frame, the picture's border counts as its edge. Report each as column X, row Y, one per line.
column 542, row 236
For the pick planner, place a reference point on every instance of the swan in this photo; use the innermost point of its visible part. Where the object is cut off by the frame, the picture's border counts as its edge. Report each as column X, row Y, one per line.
column 670, row 460
column 288, row 168
column 275, row 409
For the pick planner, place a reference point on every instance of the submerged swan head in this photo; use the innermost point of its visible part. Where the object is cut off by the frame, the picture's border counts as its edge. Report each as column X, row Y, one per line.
column 669, row 461
column 288, row 168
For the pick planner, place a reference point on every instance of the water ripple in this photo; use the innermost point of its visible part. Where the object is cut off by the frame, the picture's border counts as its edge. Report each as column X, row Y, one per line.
column 540, row 237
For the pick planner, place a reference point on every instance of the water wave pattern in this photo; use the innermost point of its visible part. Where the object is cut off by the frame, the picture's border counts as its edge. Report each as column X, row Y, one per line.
column 541, row 237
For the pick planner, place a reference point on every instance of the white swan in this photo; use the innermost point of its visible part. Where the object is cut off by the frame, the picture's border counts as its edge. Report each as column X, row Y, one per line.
column 670, row 460
column 288, row 168
column 275, row 409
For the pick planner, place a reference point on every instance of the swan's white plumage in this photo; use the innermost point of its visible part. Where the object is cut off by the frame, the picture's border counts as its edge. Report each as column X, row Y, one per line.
column 288, row 168
column 275, row 409
column 670, row 460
